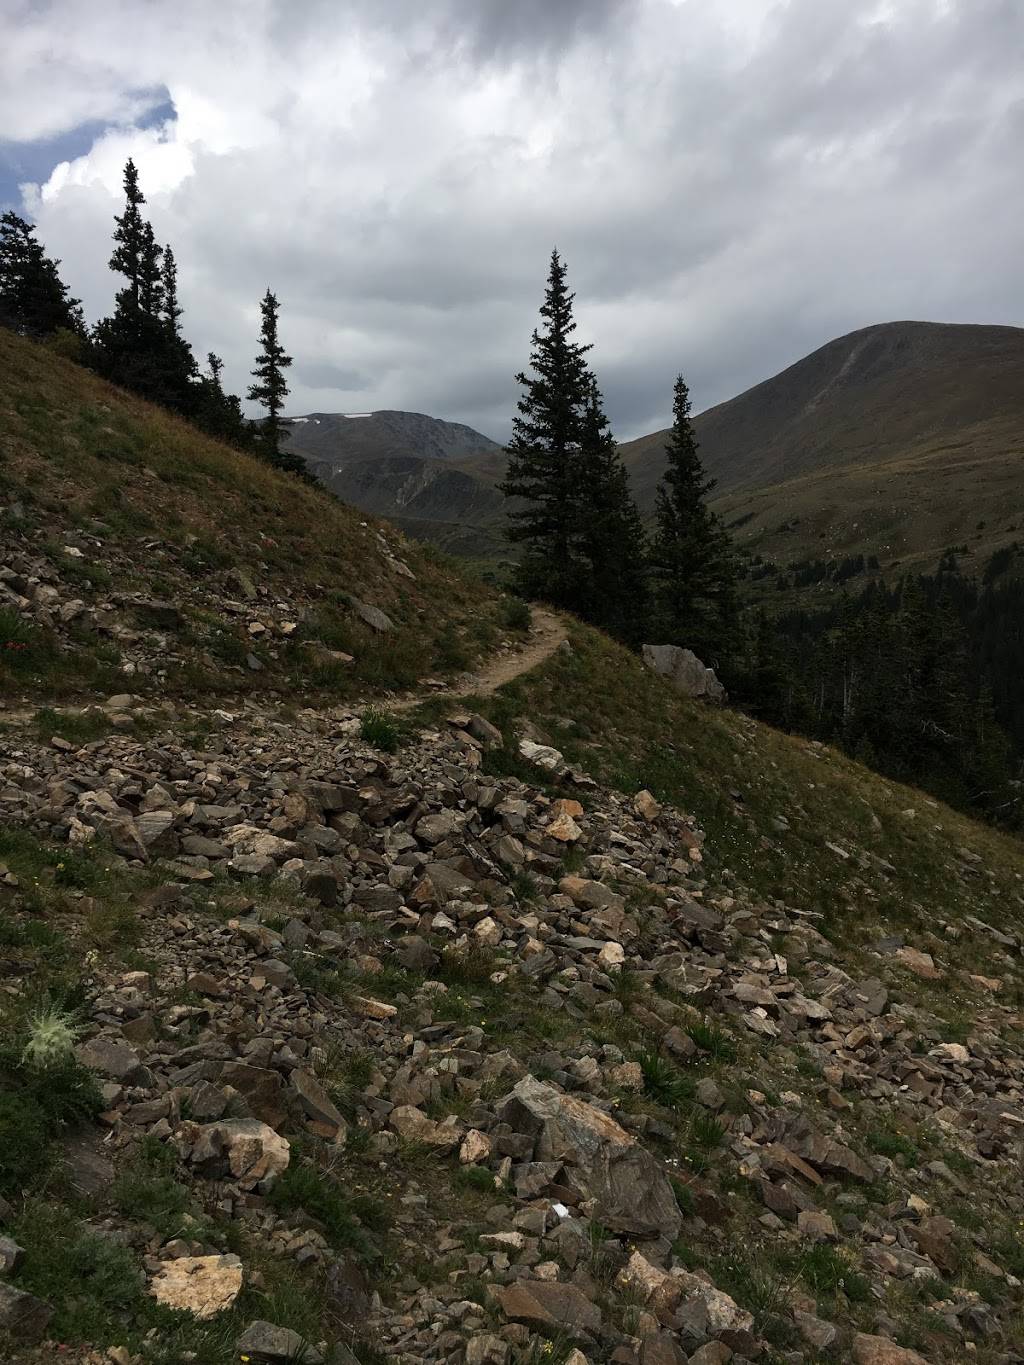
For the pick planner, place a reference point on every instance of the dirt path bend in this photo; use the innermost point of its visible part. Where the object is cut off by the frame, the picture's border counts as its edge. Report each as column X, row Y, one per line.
column 547, row 631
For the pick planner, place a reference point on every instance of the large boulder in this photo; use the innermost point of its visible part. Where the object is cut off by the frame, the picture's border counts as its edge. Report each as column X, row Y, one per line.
column 684, row 671
column 602, row 1160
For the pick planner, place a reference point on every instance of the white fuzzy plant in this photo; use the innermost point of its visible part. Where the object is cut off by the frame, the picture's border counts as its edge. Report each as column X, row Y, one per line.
column 51, row 1038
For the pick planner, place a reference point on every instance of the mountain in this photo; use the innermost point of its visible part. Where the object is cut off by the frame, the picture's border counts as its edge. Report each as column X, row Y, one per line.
column 435, row 479
column 337, row 438
column 577, row 1019
column 898, row 440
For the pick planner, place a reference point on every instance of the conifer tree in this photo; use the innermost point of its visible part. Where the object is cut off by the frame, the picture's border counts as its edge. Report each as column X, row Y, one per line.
column 169, row 282
column 34, row 300
column 612, row 592
column 140, row 345
column 128, row 233
column 270, row 389
column 693, row 572
column 544, row 453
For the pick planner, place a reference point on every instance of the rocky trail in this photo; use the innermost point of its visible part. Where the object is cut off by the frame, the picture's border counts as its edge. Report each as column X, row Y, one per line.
column 547, row 632
column 492, row 1066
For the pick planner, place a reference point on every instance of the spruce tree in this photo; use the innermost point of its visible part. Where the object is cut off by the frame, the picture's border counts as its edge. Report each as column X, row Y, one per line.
column 609, row 535
column 692, row 565
column 34, row 299
column 128, row 233
column 169, row 283
column 270, row 389
column 544, row 455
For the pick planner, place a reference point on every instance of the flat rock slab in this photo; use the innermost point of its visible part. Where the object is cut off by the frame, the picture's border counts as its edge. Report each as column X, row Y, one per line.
column 869, row 1350
column 541, row 1304
column 201, row 1285
column 266, row 1342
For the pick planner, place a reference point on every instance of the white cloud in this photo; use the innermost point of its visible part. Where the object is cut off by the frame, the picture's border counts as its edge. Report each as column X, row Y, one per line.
column 730, row 183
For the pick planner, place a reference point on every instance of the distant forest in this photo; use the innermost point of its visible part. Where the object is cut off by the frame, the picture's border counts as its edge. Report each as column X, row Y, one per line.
column 923, row 681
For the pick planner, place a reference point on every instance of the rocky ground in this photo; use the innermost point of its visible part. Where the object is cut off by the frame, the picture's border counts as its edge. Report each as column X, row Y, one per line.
column 490, row 1067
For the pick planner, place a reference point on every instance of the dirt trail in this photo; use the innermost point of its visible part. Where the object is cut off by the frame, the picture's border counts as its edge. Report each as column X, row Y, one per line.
column 547, row 631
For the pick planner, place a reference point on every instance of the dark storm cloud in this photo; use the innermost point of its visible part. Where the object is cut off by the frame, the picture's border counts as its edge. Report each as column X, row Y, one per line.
column 731, row 184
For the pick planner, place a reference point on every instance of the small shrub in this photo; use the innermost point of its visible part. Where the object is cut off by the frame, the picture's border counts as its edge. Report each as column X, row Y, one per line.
column 705, row 1131
column 302, row 1186
column 712, row 1040
column 665, row 1082
column 475, row 1178
column 515, row 614
column 51, row 1039
column 380, row 730
column 889, row 1143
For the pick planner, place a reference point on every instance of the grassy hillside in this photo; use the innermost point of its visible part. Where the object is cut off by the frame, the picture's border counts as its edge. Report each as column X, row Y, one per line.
column 786, row 818
column 898, row 441
column 110, row 509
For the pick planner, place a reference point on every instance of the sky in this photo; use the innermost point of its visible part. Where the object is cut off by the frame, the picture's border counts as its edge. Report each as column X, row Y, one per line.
column 731, row 183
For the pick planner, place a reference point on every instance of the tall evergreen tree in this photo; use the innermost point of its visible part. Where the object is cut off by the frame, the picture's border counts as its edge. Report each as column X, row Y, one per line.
column 34, row 300
column 544, row 455
column 140, row 345
column 692, row 565
column 169, row 283
column 609, row 535
column 270, row 389
column 128, row 234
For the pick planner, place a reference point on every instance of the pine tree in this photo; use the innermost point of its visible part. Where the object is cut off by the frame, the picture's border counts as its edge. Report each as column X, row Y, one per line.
column 140, row 345
column 270, row 389
column 169, row 283
column 220, row 413
column 150, row 279
column 33, row 299
column 612, row 590
column 692, row 564
column 128, row 233
column 544, row 453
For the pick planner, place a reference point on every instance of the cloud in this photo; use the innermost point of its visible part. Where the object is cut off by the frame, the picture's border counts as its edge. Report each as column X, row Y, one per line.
column 731, row 183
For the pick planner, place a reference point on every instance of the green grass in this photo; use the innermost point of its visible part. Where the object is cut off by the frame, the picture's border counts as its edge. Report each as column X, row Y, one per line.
column 665, row 1082
column 380, row 730
column 78, row 451
column 303, row 1187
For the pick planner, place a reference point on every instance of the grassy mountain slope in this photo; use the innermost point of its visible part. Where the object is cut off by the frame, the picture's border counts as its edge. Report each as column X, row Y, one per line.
column 246, row 915
column 898, row 440
column 111, row 509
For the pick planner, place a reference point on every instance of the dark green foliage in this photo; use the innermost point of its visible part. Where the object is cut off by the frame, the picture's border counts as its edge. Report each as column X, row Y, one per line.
column 692, row 568
column 543, row 455
column 36, row 1106
column 516, row 614
column 380, row 730
column 920, row 681
column 34, row 301
column 710, row 1039
column 302, row 1186
column 270, row 389
column 580, row 533
column 140, row 346
column 665, row 1082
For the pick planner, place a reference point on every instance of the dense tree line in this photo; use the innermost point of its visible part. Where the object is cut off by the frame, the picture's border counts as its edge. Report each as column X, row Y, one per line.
column 920, row 680
column 140, row 346
column 583, row 545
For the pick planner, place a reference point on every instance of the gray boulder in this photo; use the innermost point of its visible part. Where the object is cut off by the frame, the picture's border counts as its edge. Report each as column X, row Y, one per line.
column 684, row 671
